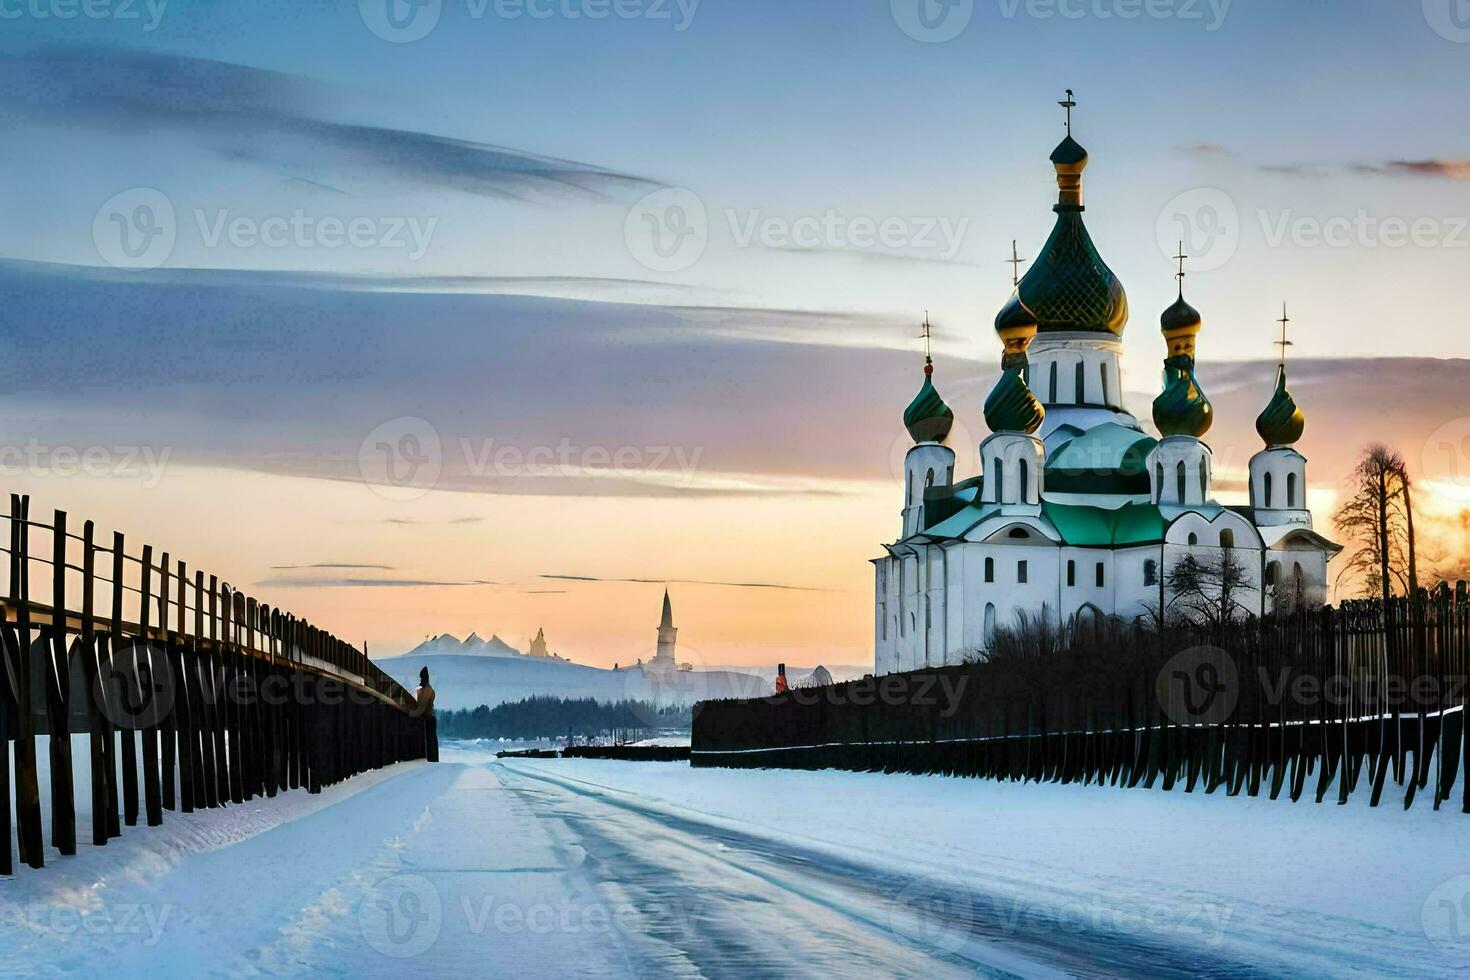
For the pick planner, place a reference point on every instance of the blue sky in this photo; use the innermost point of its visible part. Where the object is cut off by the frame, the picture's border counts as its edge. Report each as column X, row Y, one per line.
column 498, row 177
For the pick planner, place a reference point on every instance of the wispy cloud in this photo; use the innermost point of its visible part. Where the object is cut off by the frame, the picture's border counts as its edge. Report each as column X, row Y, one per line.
column 283, row 122
column 1450, row 169
column 343, row 566
column 686, row 581
column 1208, row 150
column 364, row 583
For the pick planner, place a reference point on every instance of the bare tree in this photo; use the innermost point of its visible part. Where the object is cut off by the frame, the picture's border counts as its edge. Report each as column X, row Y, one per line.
column 1206, row 589
column 1376, row 518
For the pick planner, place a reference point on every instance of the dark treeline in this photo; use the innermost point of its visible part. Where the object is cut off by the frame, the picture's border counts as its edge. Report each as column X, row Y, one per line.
column 553, row 717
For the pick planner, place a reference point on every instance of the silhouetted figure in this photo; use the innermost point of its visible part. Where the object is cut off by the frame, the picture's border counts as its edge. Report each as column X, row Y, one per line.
column 424, row 708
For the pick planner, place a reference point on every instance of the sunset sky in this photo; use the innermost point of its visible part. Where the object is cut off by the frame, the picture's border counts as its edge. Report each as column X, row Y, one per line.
column 505, row 325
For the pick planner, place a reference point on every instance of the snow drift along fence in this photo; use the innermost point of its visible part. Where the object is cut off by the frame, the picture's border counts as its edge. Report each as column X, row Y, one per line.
column 201, row 693
column 1316, row 702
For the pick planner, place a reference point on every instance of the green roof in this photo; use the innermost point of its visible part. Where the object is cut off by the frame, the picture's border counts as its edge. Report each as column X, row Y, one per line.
column 1095, row 527
column 1108, row 458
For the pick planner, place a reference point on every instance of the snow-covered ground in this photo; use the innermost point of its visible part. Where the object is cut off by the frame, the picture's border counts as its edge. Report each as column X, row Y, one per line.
column 608, row 868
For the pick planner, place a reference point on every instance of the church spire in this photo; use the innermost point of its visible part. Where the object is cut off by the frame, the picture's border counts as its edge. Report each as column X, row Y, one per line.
column 1282, row 421
column 1070, row 288
column 1012, row 407
column 1181, row 408
column 668, row 618
column 928, row 418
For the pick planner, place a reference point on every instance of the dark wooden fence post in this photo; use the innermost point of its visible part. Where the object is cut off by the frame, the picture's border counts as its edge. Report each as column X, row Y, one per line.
column 58, row 700
column 27, row 779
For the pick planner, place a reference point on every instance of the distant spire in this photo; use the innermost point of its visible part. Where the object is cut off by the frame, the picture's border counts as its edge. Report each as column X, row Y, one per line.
column 668, row 619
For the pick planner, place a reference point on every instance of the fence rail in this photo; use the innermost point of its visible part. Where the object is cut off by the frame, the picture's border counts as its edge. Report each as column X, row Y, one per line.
column 1311, row 703
column 204, row 695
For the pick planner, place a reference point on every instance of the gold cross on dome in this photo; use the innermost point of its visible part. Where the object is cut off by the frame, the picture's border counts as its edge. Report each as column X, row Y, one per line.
column 928, row 352
column 1069, row 105
column 1283, row 343
column 1180, row 259
column 1015, row 262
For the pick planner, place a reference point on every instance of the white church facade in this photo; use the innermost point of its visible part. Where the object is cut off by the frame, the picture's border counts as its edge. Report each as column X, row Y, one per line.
column 1077, row 511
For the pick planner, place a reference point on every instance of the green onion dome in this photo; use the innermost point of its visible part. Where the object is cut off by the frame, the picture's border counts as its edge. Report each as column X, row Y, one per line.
column 1182, row 408
column 1180, row 325
column 1070, row 288
column 1282, row 423
column 1011, row 406
column 928, row 418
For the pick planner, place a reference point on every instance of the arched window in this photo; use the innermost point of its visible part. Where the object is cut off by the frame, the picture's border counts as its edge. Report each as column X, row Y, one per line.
column 1150, row 572
column 1193, row 539
column 989, row 623
column 1227, row 539
column 1025, row 482
column 1103, row 370
column 1159, row 484
column 1000, row 481
column 1080, row 399
column 990, row 569
column 1266, row 491
column 1298, row 585
column 1053, row 382
column 929, row 478
column 1181, row 475
column 1204, row 481
column 1019, row 533
column 1291, row 489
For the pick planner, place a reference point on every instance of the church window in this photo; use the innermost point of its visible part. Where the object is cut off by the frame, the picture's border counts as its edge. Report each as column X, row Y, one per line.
column 1107, row 400
column 1180, row 477
column 1021, row 572
column 1080, row 376
column 929, row 479
column 1025, row 481
column 989, row 623
column 1291, row 489
column 1150, row 572
column 1053, row 382
column 1101, row 575
column 1071, row 573
column 1193, row 540
column 1019, row 533
column 1266, row 491
column 1159, row 483
column 1204, row 483
column 1000, row 480
column 1227, row 539
column 990, row 569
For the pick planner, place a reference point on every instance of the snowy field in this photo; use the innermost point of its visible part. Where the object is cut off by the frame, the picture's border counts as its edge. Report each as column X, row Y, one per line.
column 608, row 868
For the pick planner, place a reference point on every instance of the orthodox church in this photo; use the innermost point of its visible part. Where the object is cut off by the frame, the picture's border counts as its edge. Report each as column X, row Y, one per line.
column 1078, row 512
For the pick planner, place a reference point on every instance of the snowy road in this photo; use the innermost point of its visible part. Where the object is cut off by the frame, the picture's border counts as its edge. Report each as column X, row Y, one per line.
column 556, row 868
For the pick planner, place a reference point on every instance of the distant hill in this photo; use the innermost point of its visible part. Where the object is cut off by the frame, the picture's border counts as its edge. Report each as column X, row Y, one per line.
column 468, row 680
column 470, row 646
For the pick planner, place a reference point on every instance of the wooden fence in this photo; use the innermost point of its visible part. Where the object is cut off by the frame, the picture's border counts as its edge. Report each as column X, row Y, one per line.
column 183, row 683
column 1312, row 703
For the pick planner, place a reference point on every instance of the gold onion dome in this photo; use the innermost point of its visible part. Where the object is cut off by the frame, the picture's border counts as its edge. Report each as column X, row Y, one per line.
column 1182, row 408
column 928, row 418
column 1282, row 423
